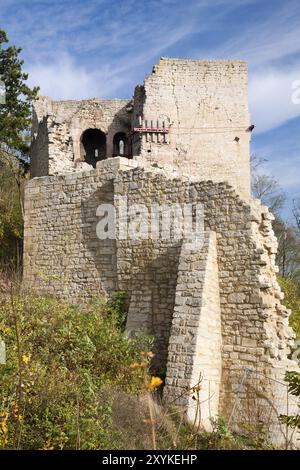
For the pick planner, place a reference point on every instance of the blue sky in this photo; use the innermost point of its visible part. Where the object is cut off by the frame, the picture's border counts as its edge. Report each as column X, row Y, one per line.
column 103, row 48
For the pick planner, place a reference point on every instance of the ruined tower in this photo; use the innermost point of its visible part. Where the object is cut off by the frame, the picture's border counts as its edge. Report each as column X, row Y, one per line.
column 189, row 115
column 215, row 311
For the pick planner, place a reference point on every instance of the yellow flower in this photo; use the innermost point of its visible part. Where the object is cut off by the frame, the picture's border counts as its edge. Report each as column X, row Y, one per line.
column 4, row 428
column 25, row 358
column 155, row 383
column 3, row 423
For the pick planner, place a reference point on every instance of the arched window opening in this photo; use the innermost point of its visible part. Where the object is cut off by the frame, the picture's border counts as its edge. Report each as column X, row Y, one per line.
column 93, row 146
column 120, row 145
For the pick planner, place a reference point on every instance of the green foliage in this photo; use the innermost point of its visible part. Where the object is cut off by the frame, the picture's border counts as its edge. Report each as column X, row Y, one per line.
column 118, row 304
column 293, row 380
column 15, row 122
column 288, row 254
column 73, row 380
column 176, row 433
column 292, row 301
column 15, row 114
column 11, row 219
column 64, row 365
column 223, row 438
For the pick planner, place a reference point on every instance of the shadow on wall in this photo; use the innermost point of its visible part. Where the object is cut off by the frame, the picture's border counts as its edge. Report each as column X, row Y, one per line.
column 164, row 271
column 93, row 146
column 101, row 254
column 39, row 151
column 118, row 130
column 148, row 272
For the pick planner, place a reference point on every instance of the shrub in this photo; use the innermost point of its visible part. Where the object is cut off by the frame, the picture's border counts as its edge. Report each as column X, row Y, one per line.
column 293, row 380
column 61, row 360
column 292, row 300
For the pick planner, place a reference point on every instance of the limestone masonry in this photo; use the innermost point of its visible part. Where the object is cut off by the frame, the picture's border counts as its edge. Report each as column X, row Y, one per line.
column 215, row 311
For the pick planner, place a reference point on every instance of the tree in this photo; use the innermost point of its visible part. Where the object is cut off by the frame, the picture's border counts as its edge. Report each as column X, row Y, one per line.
column 265, row 187
column 288, row 254
column 15, row 113
column 296, row 212
column 292, row 301
column 11, row 210
column 268, row 190
column 15, row 121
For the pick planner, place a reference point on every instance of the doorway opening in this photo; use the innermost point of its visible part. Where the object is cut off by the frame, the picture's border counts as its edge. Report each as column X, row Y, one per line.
column 93, row 146
column 120, row 145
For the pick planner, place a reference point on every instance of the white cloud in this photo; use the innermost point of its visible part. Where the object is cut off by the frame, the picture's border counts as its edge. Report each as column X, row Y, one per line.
column 271, row 38
column 84, row 49
column 270, row 47
column 66, row 80
column 270, row 95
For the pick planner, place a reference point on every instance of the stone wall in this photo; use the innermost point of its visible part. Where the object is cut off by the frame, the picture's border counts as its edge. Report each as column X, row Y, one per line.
column 195, row 360
column 205, row 106
column 147, row 268
column 63, row 256
column 39, row 161
column 65, row 123
column 197, row 111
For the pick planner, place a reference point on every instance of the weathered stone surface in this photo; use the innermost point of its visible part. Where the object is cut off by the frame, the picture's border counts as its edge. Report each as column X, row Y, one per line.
column 175, row 295
column 215, row 310
column 205, row 106
column 200, row 357
column 200, row 107
column 58, row 127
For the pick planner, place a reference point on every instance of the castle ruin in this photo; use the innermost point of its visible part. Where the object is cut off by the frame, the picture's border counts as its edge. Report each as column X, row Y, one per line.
column 215, row 311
